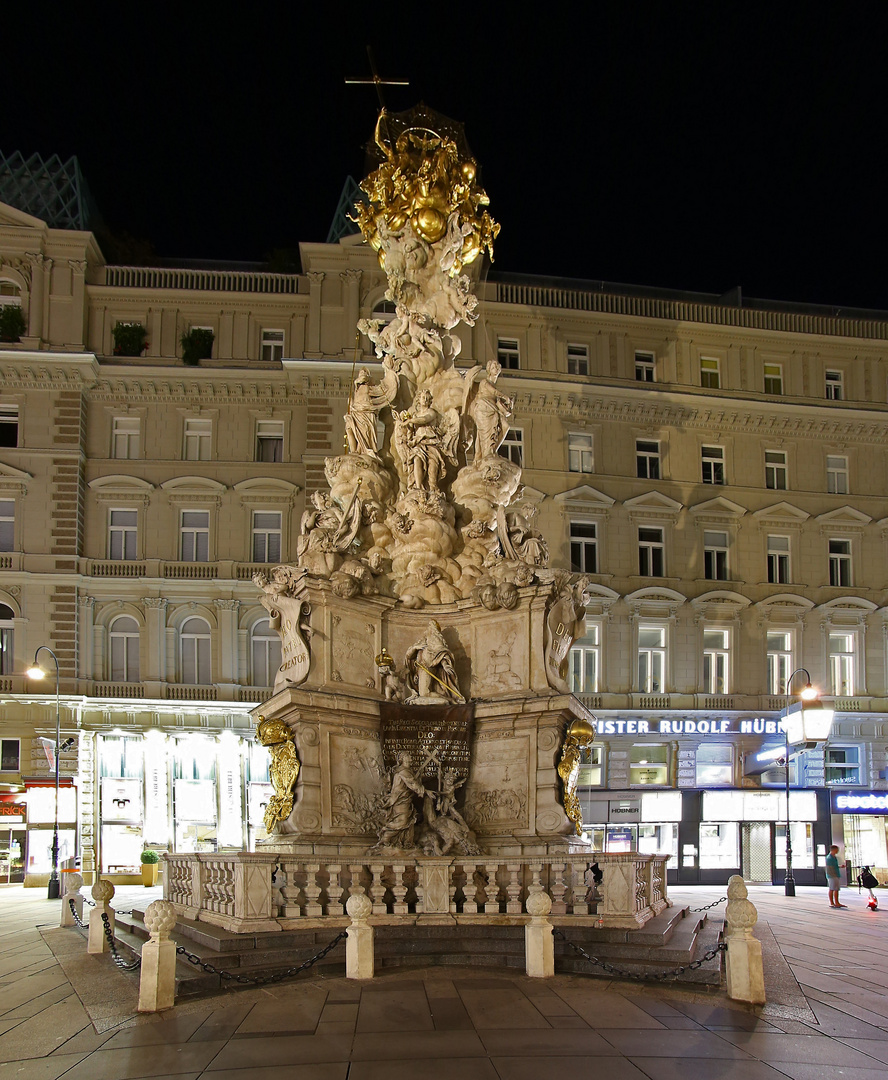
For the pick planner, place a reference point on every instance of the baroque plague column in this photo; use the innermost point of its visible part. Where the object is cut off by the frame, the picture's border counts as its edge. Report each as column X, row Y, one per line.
column 422, row 690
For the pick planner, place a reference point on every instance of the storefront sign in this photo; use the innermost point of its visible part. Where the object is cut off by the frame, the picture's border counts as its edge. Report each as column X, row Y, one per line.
column 12, row 808
column 757, row 725
column 860, row 802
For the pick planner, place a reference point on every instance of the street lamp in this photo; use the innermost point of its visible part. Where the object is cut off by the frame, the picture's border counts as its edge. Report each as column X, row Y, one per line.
column 37, row 672
column 805, row 723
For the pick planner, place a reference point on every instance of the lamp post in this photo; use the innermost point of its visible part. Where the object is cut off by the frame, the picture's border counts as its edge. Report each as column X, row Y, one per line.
column 36, row 672
column 805, row 723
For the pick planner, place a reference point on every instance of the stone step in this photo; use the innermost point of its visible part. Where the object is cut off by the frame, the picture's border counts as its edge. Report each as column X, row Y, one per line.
column 672, row 940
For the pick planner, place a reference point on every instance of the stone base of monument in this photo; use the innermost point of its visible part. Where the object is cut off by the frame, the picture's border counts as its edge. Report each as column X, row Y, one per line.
column 673, row 939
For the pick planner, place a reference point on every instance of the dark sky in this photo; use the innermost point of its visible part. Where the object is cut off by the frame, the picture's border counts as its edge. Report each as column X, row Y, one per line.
column 679, row 145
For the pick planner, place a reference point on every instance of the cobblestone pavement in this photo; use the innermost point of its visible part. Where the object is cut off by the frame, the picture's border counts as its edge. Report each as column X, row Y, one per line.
column 66, row 1014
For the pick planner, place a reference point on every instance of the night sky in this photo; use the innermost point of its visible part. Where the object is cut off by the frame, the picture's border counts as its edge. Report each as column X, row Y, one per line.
column 684, row 146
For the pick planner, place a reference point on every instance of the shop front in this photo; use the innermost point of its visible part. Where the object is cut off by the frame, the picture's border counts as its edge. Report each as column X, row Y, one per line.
column 13, row 835
column 40, row 795
column 864, row 822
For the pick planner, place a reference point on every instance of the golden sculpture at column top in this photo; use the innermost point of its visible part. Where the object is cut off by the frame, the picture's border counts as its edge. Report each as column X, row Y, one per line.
column 578, row 738
column 429, row 181
column 283, row 770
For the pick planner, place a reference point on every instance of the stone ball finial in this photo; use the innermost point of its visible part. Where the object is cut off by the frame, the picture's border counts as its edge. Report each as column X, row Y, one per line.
column 160, row 918
column 102, row 891
column 73, row 883
column 358, row 905
column 539, row 903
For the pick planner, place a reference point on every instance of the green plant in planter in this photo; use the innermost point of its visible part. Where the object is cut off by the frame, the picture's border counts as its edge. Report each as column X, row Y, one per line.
column 149, row 856
column 130, row 339
column 197, row 345
column 12, row 323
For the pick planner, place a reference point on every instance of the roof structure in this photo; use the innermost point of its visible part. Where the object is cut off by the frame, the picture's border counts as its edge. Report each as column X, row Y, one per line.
column 52, row 190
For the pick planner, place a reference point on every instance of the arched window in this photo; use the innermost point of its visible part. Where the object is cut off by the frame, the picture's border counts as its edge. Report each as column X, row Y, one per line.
column 266, row 653
column 124, row 650
column 7, row 653
column 194, row 652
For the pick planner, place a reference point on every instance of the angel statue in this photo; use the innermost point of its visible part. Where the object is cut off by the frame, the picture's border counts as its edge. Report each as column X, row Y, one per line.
column 488, row 407
column 366, row 402
column 425, row 442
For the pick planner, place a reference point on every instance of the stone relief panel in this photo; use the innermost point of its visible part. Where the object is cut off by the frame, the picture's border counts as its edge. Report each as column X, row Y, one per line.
column 501, row 660
column 352, row 651
column 497, row 792
column 357, row 781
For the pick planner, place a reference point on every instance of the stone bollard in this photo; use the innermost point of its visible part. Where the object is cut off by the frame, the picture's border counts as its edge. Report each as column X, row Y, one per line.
column 743, row 965
column 73, row 885
column 359, row 944
column 157, row 986
column 102, row 892
column 539, row 945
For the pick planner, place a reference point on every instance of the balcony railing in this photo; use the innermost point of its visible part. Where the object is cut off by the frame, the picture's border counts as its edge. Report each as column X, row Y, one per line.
column 242, row 281
column 191, row 693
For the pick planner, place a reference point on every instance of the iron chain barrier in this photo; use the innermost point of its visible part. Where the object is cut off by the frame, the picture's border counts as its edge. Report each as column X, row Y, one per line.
column 115, row 956
column 76, row 917
column 260, row 980
column 706, row 907
column 659, row 976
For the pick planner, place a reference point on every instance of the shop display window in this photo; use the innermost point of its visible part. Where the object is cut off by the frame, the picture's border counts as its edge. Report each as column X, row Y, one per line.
column 591, row 767
column 802, row 834
column 121, row 849
column 40, row 849
column 715, row 765
column 659, row 840
column 649, row 764
column 719, row 845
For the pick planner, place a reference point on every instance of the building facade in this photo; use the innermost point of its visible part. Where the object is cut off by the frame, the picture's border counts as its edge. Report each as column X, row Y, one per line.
column 717, row 469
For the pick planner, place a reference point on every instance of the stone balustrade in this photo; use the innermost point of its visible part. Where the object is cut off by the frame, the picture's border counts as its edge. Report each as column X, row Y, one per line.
column 250, row 892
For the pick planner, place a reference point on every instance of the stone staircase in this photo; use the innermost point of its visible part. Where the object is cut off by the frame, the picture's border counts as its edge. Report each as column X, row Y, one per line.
column 673, row 939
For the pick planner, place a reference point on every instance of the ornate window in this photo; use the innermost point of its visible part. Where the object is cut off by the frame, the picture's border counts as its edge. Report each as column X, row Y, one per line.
column 713, row 463
column 271, row 348
column 715, row 556
column 7, row 643
column 651, row 659
column 266, row 536
column 651, row 548
column 124, row 650
column 716, row 657
column 773, row 378
column 710, row 375
column 647, row 459
column 194, row 652
column 775, row 470
column 9, row 425
column 577, row 360
column 644, row 367
column 835, row 385
column 580, row 454
column 778, row 560
column 585, row 661
column 123, row 534
column 842, row 662
column 583, row 547
column 198, row 439
column 512, row 448
column 779, row 645
column 265, row 651
column 125, row 431
column 840, row 562
column 836, row 474
column 194, row 536
column 7, row 525
column 270, row 440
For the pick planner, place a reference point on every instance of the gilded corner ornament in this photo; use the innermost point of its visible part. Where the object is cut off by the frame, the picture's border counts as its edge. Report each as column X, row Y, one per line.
column 283, row 770
column 578, row 738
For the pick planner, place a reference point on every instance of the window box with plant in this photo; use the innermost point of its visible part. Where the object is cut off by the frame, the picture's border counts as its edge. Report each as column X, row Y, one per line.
column 12, row 323
column 130, row 339
column 150, row 860
column 197, row 345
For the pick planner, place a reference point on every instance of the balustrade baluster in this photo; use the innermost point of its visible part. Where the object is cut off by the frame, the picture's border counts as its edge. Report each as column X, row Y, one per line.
column 334, row 891
column 513, row 889
column 399, row 889
column 491, row 901
column 557, row 888
column 313, row 909
column 377, row 889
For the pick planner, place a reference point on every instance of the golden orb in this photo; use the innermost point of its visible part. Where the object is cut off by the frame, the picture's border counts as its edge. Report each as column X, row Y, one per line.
column 582, row 731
